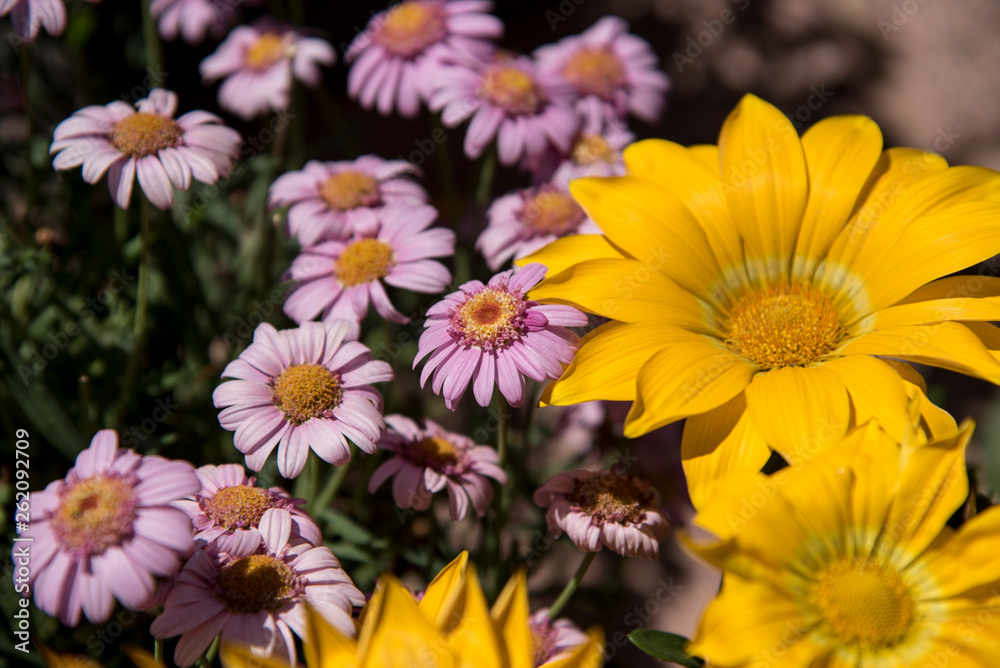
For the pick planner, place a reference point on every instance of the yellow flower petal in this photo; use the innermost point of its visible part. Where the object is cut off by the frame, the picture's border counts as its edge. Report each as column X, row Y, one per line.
column 588, row 655
column 401, row 635
column 954, row 287
column 324, row 645
column 475, row 639
column 922, row 313
column 628, row 291
column 709, row 154
column 978, row 543
column 567, row 251
column 813, row 406
column 716, row 443
column 764, row 173
column 875, row 460
column 876, row 391
column 511, row 614
column 444, row 590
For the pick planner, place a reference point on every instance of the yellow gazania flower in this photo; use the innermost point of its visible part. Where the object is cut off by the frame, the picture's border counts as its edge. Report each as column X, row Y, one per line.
column 757, row 288
column 450, row 627
column 846, row 562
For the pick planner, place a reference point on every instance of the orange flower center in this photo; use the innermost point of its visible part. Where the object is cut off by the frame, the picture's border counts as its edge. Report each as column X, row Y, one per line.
column 595, row 72
column 142, row 134
column 511, row 88
column 411, row 27
column 864, row 603
column 349, row 190
column 785, row 324
column 491, row 318
column 364, row 260
column 552, row 211
column 266, row 51
column 255, row 583
column 612, row 498
column 305, row 391
column 95, row 514
column 435, row 452
column 237, row 507
column 592, row 148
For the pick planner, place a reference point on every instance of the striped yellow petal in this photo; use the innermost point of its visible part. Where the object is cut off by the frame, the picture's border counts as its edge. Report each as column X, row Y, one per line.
column 567, row 251
column 876, row 391
column 475, row 639
column 323, row 644
column 443, row 592
column 708, row 154
column 400, row 634
column 978, row 541
column 511, row 615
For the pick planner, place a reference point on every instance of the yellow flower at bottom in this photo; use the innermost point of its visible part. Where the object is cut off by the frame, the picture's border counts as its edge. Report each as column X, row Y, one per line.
column 846, row 561
column 450, row 627
column 773, row 290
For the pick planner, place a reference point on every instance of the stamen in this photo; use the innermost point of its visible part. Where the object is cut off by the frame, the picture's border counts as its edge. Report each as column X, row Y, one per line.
column 865, row 603
column 491, row 318
column 266, row 51
column 551, row 211
column 255, row 583
column 509, row 87
column 237, row 507
column 411, row 27
column 592, row 148
column 95, row 513
column 142, row 134
column 349, row 190
column 612, row 498
column 595, row 72
column 364, row 260
column 306, row 391
column 434, row 452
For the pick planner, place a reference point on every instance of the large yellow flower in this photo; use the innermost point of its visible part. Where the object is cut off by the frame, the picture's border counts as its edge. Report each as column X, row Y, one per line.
column 450, row 627
column 846, row 562
column 757, row 288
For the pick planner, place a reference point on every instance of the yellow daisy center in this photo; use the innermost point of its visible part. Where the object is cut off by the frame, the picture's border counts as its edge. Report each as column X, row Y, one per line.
column 514, row 90
column 590, row 149
column 237, row 507
column 255, row 583
column 306, row 391
column 364, row 260
column 595, row 72
column 349, row 189
column 612, row 498
column 142, row 134
column 95, row 514
column 266, row 51
column 552, row 212
column 491, row 318
column 865, row 603
column 410, row 27
column 785, row 324
column 434, row 451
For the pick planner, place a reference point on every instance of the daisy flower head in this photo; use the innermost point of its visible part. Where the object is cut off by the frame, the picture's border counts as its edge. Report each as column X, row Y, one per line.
column 528, row 111
column 259, row 62
column 228, row 508
column 524, row 221
column 553, row 639
column 301, row 389
column 614, row 72
column 194, row 19
column 147, row 143
column 605, row 509
column 595, row 153
column 431, row 459
column 393, row 58
column 493, row 335
column 108, row 530
column 257, row 597
column 332, row 200
column 339, row 279
column 765, row 282
column 849, row 561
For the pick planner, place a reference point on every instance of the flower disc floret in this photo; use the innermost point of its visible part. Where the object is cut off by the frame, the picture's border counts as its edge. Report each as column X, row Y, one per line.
column 612, row 498
column 552, row 211
column 255, row 583
column 238, row 506
column 410, row 27
column 591, row 148
column 306, row 391
column 865, row 603
column 95, row 513
column 595, row 72
column 349, row 189
column 142, row 134
column 512, row 88
column 266, row 51
column 435, row 452
column 491, row 318
column 364, row 260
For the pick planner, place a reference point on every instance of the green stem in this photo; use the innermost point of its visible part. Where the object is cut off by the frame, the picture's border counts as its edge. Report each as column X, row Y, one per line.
column 141, row 306
column 502, row 420
column 570, row 588
column 121, row 225
column 330, row 489
column 306, row 483
column 213, row 648
column 265, row 228
column 485, row 185
column 158, row 651
column 154, row 56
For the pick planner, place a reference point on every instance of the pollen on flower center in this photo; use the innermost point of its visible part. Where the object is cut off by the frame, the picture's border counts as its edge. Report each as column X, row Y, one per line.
column 95, row 514
column 785, row 324
column 595, row 72
column 590, row 149
column 612, row 498
column 237, row 507
column 349, row 190
column 266, row 51
column 491, row 318
column 543, row 641
column 411, row 27
column 511, row 88
column 551, row 211
column 364, row 260
column 865, row 603
column 255, row 583
column 435, row 452
column 306, row 391
column 144, row 133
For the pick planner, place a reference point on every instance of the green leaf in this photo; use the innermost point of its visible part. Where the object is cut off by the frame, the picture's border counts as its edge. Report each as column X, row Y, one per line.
column 665, row 646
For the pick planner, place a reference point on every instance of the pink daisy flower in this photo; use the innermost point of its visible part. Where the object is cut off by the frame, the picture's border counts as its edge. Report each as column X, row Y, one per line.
column 394, row 54
column 299, row 389
column 398, row 253
column 597, row 153
column 259, row 61
column 332, row 200
column 256, row 598
column 28, row 16
column 602, row 508
column 526, row 220
column 613, row 71
column 193, row 19
column 228, row 509
column 108, row 530
column 149, row 144
column 431, row 459
column 552, row 640
column 526, row 109
column 493, row 335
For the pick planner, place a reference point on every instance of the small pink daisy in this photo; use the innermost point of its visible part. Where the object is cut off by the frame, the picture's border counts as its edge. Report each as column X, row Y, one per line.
column 552, row 640
column 527, row 110
column 259, row 62
column 340, row 278
column 493, row 335
column 431, row 459
column 193, row 19
column 108, row 530
column 228, row 509
column 526, row 220
column 613, row 71
column 392, row 57
column 256, row 598
column 332, row 200
column 149, row 144
column 597, row 153
column 299, row 389
column 602, row 508
column 29, row 16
